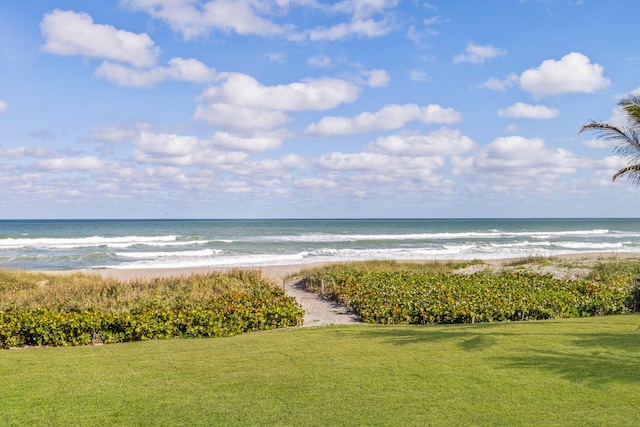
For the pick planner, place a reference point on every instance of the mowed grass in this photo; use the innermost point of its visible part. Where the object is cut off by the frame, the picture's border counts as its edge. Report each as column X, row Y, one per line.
column 568, row 372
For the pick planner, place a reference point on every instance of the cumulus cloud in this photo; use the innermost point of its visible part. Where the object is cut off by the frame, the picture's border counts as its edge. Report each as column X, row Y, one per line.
column 320, row 61
column 237, row 143
column 355, row 172
column 362, row 22
column 419, row 76
column 477, row 54
column 501, row 85
column 515, row 156
column 376, row 162
column 22, row 152
column 573, row 73
column 180, row 69
column 391, row 116
column 313, row 94
column 367, row 28
column 70, row 33
column 236, row 118
column 241, row 103
column 315, row 184
column 257, row 17
column 441, row 142
column 112, row 134
column 192, row 20
column 4, row 106
column 520, row 110
column 87, row 163
column 595, row 143
column 276, row 57
column 364, row 8
column 377, row 78
column 181, row 150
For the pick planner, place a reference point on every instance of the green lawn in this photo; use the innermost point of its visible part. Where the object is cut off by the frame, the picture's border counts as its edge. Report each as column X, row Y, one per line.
column 560, row 372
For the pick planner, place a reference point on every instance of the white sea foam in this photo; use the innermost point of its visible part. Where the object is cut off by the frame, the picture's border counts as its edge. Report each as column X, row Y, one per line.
column 178, row 244
column 169, row 254
column 227, row 261
column 591, row 245
column 95, row 241
column 466, row 235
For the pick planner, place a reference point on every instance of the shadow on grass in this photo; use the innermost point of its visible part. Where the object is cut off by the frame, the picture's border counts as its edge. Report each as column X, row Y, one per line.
column 591, row 352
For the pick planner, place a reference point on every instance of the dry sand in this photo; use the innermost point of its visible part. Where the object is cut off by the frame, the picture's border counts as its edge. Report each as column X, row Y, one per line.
column 320, row 311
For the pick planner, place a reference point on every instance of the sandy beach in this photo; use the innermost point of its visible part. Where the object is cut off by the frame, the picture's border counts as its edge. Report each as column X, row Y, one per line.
column 556, row 265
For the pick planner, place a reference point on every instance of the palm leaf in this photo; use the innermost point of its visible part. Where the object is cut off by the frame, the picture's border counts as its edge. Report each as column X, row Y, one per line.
column 632, row 173
column 624, row 141
column 631, row 107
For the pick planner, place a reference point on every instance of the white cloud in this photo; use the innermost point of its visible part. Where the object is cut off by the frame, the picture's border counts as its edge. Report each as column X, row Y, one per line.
column 189, row 70
column 4, row 106
column 391, row 116
column 235, row 118
column 376, row 162
column 234, row 142
column 72, row 163
column 364, row 8
column 595, row 143
column 477, row 54
column 313, row 94
column 516, row 157
column 363, row 173
column 111, row 134
column 419, row 76
column 315, row 184
column 256, row 17
column 368, row 28
column 441, row 142
column 501, row 85
column 320, row 61
column 181, row 150
column 241, row 103
column 276, row 57
column 573, row 73
column 606, row 168
column 193, row 20
column 377, row 78
column 69, row 33
column 21, row 152
column 362, row 23
column 520, row 110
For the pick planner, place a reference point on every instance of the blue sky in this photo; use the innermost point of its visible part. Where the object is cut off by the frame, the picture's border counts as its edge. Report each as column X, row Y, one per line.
column 306, row 108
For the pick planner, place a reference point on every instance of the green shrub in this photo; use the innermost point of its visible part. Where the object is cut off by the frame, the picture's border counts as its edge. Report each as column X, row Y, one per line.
column 87, row 309
column 415, row 298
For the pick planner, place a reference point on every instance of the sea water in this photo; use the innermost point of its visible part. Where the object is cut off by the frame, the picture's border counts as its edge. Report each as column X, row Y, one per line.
column 126, row 244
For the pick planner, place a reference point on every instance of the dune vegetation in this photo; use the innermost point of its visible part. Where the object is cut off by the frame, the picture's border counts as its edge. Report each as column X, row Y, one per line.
column 77, row 309
column 381, row 293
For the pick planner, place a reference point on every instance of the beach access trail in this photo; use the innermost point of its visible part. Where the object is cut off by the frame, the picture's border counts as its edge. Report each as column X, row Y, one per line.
column 319, row 311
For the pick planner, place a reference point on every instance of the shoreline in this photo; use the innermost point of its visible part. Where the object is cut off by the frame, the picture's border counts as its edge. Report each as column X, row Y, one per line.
column 279, row 272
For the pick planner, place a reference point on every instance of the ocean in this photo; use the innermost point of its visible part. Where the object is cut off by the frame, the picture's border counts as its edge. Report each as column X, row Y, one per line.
column 127, row 244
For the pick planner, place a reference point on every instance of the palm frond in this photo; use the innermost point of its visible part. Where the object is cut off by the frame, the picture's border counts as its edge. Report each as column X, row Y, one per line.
column 632, row 173
column 624, row 141
column 631, row 107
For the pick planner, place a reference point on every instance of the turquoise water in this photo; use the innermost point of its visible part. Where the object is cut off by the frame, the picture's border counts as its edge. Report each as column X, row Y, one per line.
column 96, row 244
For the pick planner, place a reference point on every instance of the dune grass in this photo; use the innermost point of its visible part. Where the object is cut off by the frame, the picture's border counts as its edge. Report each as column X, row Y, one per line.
column 561, row 372
column 78, row 309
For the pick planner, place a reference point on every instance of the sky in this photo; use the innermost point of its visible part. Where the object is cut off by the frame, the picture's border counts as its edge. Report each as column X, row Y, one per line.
column 313, row 109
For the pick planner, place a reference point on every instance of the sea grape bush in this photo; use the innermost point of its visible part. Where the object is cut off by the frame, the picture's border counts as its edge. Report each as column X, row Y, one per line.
column 212, row 305
column 415, row 298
